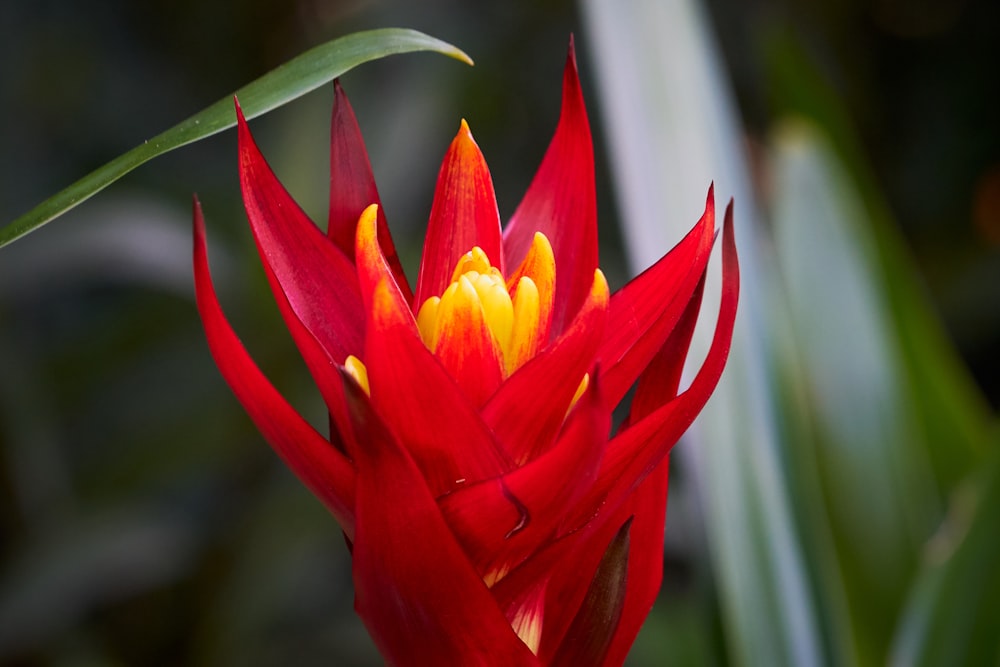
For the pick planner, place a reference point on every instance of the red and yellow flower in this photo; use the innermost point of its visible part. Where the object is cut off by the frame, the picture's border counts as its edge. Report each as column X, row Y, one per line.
column 492, row 517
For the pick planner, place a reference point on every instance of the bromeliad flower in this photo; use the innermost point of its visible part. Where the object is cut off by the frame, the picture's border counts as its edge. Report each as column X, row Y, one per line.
column 492, row 518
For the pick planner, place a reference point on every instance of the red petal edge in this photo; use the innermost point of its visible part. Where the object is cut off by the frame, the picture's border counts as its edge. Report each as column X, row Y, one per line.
column 417, row 593
column 316, row 278
column 464, row 214
column 422, row 404
column 352, row 187
column 645, row 311
column 561, row 202
column 324, row 470
column 501, row 522
column 637, row 451
column 589, row 636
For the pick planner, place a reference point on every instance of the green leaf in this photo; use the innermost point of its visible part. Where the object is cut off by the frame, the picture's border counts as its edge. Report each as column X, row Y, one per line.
column 882, row 402
column 279, row 86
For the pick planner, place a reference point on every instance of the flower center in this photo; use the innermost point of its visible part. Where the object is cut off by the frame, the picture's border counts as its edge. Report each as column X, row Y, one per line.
column 510, row 316
column 484, row 327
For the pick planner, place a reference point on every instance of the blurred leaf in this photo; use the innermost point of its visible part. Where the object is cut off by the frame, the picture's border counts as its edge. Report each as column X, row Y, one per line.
column 51, row 583
column 950, row 410
column 951, row 617
column 289, row 81
column 673, row 130
column 893, row 417
column 881, row 495
column 677, row 632
column 282, row 593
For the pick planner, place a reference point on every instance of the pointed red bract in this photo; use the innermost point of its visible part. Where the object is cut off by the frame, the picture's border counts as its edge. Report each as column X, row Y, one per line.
column 661, row 380
column 446, row 437
column 323, row 469
column 644, row 317
column 561, row 202
column 352, row 186
column 374, row 268
column 464, row 215
column 634, row 453
column 648, row 503
column 316, row 278
column 418, row 595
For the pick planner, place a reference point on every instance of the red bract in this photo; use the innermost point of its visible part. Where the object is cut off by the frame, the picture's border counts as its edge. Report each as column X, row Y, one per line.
column 493, row 519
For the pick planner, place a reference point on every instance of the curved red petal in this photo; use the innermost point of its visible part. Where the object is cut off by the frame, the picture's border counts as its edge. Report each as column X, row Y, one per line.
column 423, row 406
column 316, row 278
column 648, row 507
column 417, row 593
column 527, row 427
column 373, row 267
column 637, row 451
column 591, row 633
column 557, row 570
column 561, row 202
column 501, row 522
column 464, row 214
column 648, row 502
column 641, row 318
column 317, row 360
column 661, row 380
column 352, row 187
column 324, row 470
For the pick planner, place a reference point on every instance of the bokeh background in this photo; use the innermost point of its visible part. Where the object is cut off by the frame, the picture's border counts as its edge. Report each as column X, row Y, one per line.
column 144, row 522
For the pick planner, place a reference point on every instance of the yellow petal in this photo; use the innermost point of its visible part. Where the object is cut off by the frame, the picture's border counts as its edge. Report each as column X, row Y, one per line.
column 527, row 620
column 368, row 255
column 599, row 290
column 539, row 265
column 356, row 369
column 427, row 321
column 465, row 345
column 582, row 387
column 497, row 307
column 474, row 260
column 524, row 341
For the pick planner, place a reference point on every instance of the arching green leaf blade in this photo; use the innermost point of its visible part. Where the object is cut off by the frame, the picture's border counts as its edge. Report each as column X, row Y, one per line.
column 293, row 79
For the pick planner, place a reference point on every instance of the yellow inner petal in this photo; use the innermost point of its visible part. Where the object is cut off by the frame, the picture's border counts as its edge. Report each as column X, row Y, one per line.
column 584, row 383
column 356, row 369
column 474, row 260
column 427, row 321
column 540, row 266
column 516, row 310
column 527, row 619
column 524, row 336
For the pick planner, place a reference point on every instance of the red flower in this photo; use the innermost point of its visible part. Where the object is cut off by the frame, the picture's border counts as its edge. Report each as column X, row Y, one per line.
column 492, row 518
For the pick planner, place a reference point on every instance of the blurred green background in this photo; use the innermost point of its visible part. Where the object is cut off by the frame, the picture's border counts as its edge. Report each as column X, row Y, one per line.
column 144, row 522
